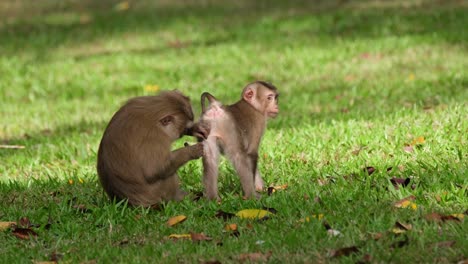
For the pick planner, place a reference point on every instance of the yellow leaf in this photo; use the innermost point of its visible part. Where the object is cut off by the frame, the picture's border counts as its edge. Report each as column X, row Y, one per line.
column 319, row 216
column 458, row 216
column 253, row 213
column 281, row 187
column 418, row 140
column 179, row 236
column 230, row 227
column 6, row 225
column 307, row 219
column 70, row 181
column 406, row 202
column 80, row 180
column 122, row 6
column 411, row 77
column 176, row 219
column 151, row 88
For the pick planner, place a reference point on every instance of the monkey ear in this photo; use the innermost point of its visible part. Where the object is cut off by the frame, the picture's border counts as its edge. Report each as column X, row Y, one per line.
column 166, row 120
column 248, row 94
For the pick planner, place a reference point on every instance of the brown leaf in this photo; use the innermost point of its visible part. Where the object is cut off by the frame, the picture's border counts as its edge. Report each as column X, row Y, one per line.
column 444, row 244
column 403, row 203
column 346, row 251
column 408, row 148
column 214, row 261
column 177, row 44
column 399, row 181
column 377, row 236
column 55, row 256
column 399, row 227
column 366, row 259
column 438, row 217
column 224, row 215
column 369, row 170
column 200, row 237
column 81, row 208
column 255, row 257
column 24, row 222
column 24, row 233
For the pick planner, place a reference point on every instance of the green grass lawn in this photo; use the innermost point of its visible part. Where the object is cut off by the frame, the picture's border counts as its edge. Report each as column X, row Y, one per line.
column 378, row 84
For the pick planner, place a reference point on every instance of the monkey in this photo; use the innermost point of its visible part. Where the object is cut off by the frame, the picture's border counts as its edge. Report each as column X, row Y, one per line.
column 134, row 159
column 236, row 132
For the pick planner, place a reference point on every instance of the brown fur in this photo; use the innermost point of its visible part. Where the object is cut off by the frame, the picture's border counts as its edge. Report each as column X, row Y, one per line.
column 135, row 160
column 236, row 131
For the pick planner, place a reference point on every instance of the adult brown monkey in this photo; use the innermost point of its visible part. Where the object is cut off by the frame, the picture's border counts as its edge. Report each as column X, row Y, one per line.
column 236, row 131
column 135, row 160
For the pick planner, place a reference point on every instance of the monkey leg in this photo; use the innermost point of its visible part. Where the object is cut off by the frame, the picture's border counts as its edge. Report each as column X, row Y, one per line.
column 210, row 168
column 245, row 167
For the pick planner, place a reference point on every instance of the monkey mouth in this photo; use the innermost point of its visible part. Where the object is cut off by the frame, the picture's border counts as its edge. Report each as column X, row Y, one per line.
column 273, row 114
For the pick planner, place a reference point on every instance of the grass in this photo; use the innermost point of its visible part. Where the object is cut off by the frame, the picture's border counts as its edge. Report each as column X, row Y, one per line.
column 359, row 81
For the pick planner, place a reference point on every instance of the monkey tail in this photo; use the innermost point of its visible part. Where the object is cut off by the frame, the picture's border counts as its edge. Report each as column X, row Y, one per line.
column 211, row 100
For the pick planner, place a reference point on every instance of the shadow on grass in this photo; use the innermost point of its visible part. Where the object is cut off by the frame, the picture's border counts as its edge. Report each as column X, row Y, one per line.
column 258, row 22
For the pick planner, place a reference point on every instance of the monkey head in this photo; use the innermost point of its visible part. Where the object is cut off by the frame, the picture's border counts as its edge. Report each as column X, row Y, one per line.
column 178, row 122
column 263, row 97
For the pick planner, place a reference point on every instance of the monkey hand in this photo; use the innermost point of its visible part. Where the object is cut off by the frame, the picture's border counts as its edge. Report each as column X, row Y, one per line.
column 196, row 151
column 201, row 130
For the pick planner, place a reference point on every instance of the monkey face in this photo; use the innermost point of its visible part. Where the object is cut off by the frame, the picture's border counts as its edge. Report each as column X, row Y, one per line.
column 272, row 108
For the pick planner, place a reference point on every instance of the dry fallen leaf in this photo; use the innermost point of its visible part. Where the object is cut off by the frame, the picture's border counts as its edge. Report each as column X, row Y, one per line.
column 400, row 181
column 400, row 228
column 224, row 215
column 408, row 149
column 346, row 251
column 6, row 225
column 200, row 237
column 122, row 6
column 253, row 213
column 230, row 227
column 24, row 233
column 273, row 189
column 444, row 218
column 255, row 257
column 406, row 203
column 369, row 170
column 418, row 141
column 444, row 244
column 176, row 219
column 333, row 232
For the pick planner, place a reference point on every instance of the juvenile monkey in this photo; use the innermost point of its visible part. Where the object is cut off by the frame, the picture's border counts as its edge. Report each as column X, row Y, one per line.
column 236, row 131
column 135, row 160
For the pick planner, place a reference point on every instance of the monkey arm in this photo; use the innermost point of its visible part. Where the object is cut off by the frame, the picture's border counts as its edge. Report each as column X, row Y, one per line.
column 174, row 161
